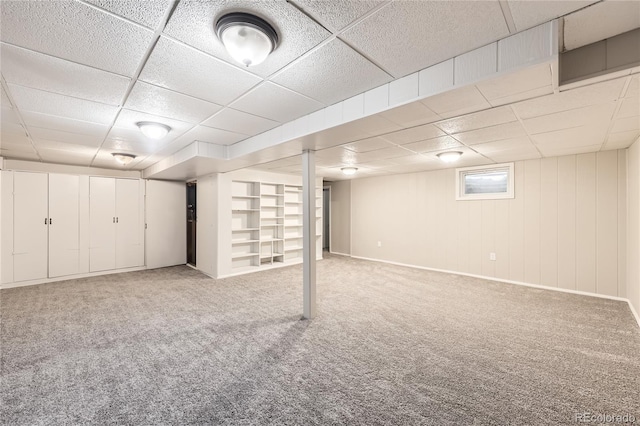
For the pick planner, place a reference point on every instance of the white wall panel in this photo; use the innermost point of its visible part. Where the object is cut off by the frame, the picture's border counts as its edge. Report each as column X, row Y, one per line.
column 64, row 227
column 545, row 235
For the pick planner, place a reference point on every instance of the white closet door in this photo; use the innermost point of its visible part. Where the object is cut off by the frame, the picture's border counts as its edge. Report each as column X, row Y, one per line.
column 166, row 217
column 64, row 247
column 30, row 202
column 102, row 233
column 129, row 249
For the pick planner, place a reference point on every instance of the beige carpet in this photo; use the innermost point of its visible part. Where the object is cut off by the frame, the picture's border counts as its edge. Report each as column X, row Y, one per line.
column 390, row 345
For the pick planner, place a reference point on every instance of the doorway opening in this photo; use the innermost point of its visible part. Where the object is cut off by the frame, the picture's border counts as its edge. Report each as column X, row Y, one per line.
column 191, row 223
column 326, row 218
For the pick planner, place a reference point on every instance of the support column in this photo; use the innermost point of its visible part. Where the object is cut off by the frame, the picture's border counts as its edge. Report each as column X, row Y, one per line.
column 309, row 234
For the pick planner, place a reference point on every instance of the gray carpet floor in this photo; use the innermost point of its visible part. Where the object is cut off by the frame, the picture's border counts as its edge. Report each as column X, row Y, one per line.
column 390, row 345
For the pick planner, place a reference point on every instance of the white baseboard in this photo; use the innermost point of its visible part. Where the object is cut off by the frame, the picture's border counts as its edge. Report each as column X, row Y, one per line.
column 260, row 268
column 70, row 277
column 484, row 277
column 339, row 254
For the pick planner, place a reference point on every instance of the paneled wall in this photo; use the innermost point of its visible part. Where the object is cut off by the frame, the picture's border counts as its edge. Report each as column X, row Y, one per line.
column 633, row 235
column 340, row 217
column 564, row 228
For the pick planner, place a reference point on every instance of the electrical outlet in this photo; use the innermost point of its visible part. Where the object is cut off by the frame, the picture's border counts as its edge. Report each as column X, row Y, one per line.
column 492, row 256
column 379, row 243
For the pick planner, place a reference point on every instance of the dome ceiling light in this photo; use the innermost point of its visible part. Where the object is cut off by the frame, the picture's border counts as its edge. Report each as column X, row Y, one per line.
column 349, row 170
column 247, row 38
column 449, row 156
column 123, row 159
column 153, row 130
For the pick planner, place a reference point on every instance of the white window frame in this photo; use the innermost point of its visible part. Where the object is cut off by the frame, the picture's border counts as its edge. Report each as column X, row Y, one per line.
column 461, row 172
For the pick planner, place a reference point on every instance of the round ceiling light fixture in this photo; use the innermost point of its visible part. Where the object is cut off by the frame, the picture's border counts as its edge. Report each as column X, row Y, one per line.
column 247, row 38
column 153, row 130
column 349, row 170
column 123, row 159
column 449, row 156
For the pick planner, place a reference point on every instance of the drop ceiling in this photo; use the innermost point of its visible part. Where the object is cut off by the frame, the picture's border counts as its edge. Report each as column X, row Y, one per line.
column 73, row 96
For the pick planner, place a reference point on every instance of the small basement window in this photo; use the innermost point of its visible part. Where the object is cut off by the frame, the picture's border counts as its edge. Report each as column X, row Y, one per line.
column 485, row 182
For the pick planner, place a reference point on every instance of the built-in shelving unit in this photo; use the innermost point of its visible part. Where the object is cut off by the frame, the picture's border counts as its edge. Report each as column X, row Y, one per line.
column 267, row 224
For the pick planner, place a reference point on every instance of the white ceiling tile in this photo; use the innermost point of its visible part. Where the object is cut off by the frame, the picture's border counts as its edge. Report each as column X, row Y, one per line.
column 276, row 103
column 39, row 71
column 558, row 151
column 33, row 100
column 494, row 133
column 626, row 124
column 193, row 23
column 9, row 115
column 19, row 155
column 38, row 133
column 332, row 73
column 42, row 144
column 128, row 119
column 240, row 122
column 478, row 120
column 604, row 20
column 571, row 138
column 508, row 150
column 435, row 144
column 65, row 157
column 527, row 14
column 630, row 107
column 517, row 97
column 374, row 125
column 457, row 102
column 4, row 100
column 410, row 115
column 337, row 14
column 147, row 13
column 633, row 90
column 216, row 136
column 413, row 134
column 384, row 154
column 8, row 128
column 379, row 164
column 166, row 103
column 186, row 70
column 62, row 124
column 17, row 144
column 572, row 118
column 519, row 82
column 393, row 35
column 130, row 140
column 367, row 145
column 570, row 99
column 60, row 28
column 621, row 140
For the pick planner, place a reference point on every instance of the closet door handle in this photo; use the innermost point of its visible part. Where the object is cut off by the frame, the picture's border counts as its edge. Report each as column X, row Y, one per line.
column 114, row 219
column 117, row 219
column 50, row 221
column 45, row 221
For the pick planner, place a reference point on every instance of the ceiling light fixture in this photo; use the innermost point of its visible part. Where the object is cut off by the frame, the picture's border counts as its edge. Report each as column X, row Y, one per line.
column 123, row 159
column 449, row 156
column 153, row 130
column 349, row 170
column 247, row 38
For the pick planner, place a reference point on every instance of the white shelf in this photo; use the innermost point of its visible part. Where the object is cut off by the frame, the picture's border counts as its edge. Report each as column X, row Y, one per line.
column 271, row 240
column 273, row 207
column 293, row 202
column 245, row 229
column 272, row 195
column 243, row 255
column 244, row 241
column 273, row 217
column 245, row 196
column 271, row 226
column 245, row 210
column 293, row 248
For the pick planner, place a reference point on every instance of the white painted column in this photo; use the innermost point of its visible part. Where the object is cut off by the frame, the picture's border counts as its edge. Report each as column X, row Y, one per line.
column 309, row 233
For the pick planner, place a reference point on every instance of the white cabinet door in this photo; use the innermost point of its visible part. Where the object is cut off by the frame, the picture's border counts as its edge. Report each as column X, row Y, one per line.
column 129, row 248
column 166, row 217
column 102, row 216
column 64, row 222
column 30, row 206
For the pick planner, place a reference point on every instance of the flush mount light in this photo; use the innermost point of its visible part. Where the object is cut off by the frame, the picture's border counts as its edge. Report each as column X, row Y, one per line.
column 247, row 38
column 349, row 170
column 123, row 159
column 153, row 130
column 449, row 156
